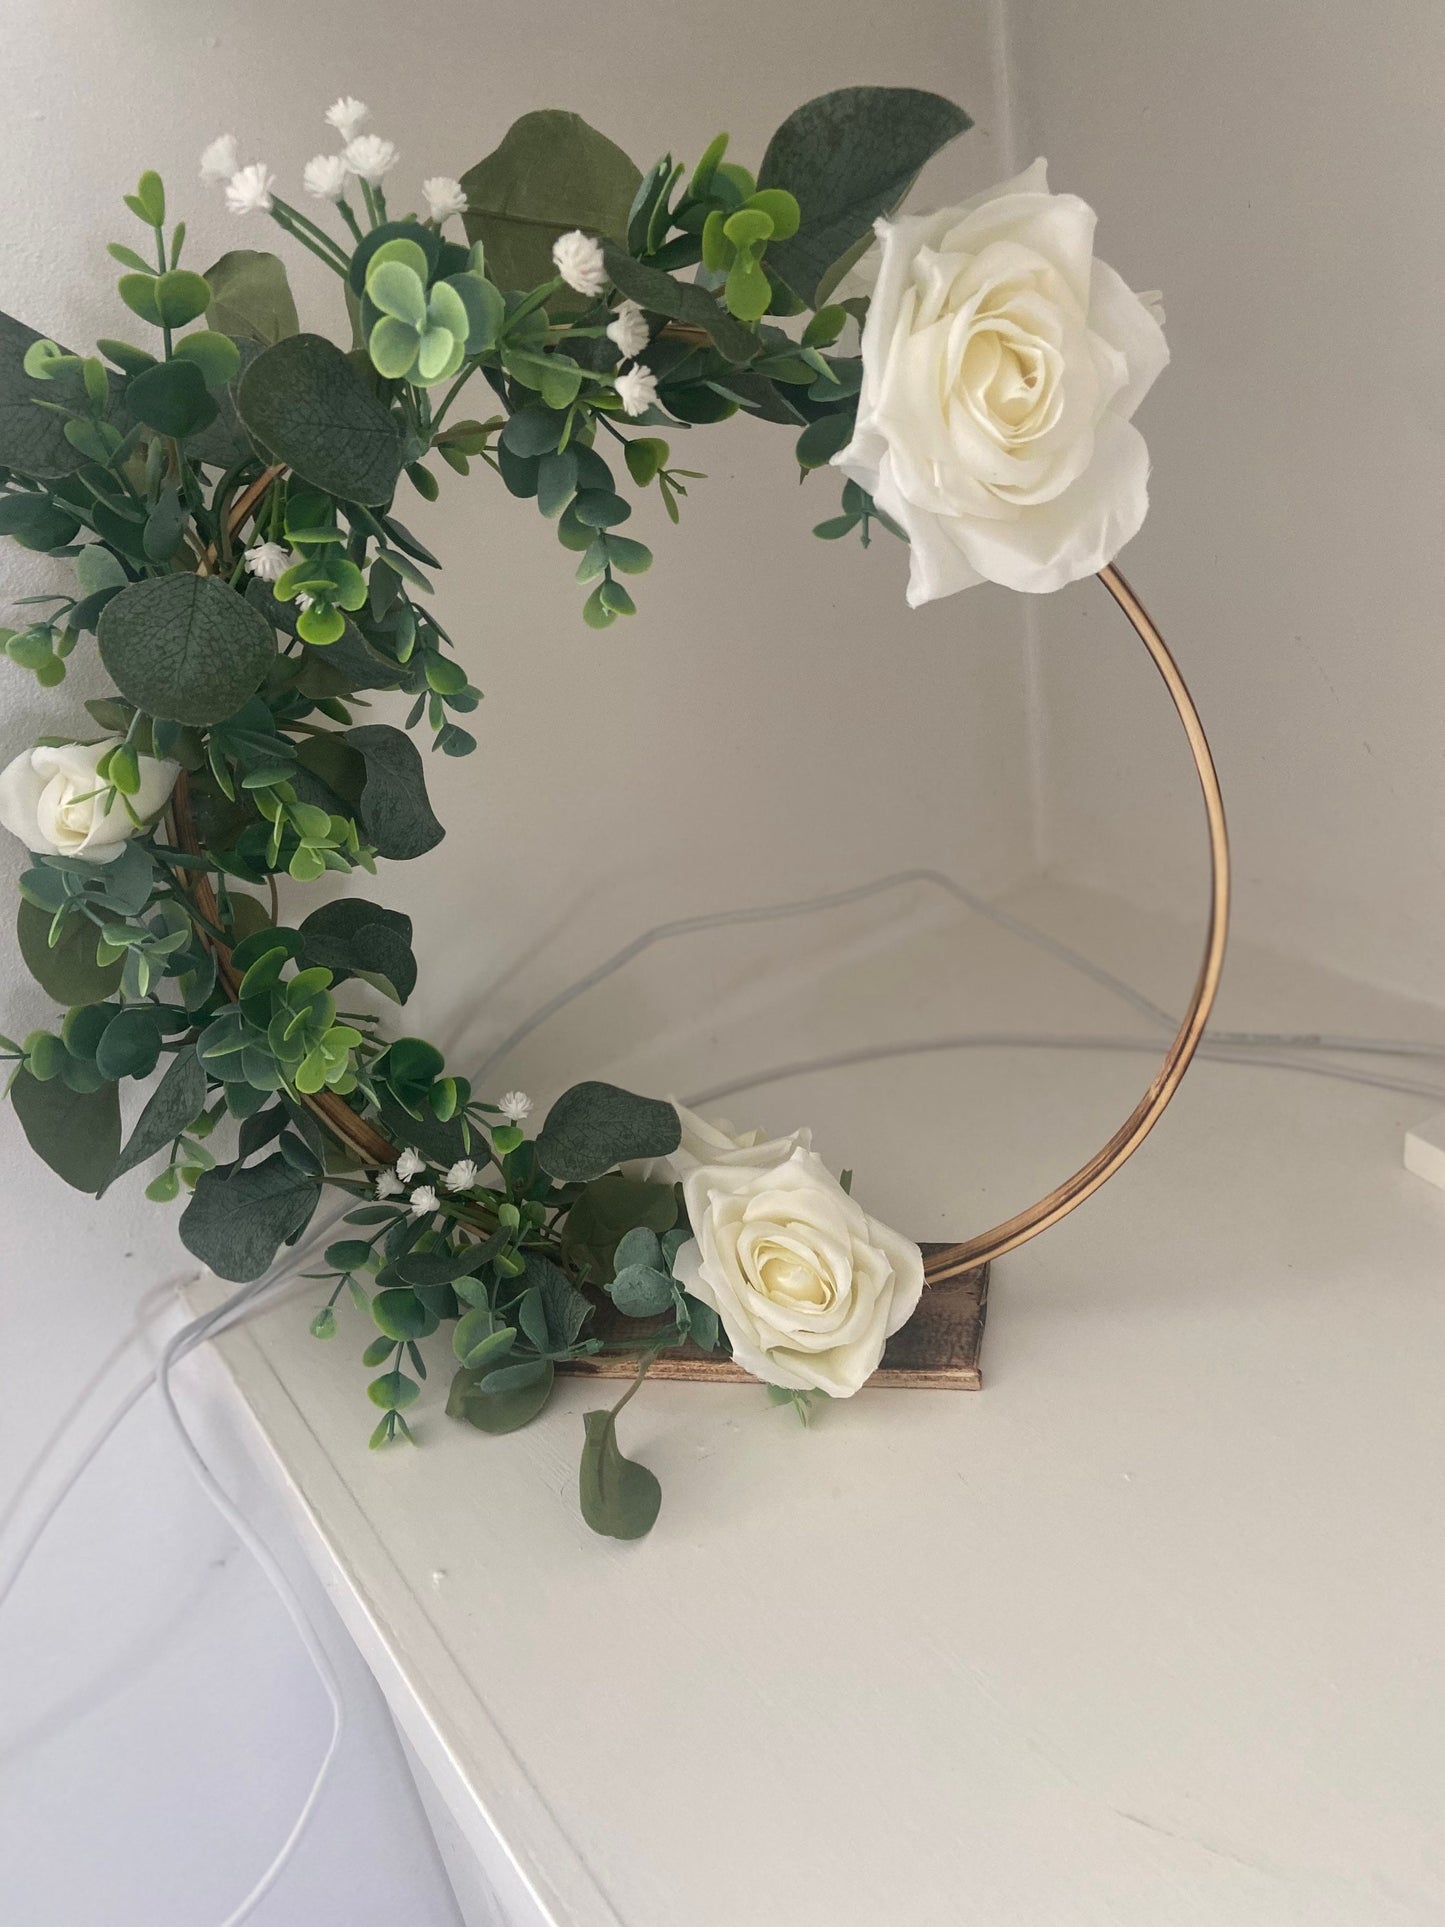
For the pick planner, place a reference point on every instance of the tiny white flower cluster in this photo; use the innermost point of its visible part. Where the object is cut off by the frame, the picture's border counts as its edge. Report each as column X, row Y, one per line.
column 268, row 561
column 580, row 262
column 466, row 1173
column 365, row 157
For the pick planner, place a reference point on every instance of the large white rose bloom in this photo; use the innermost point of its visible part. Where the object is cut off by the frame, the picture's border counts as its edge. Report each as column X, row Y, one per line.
column 1001, row 366
column 809, row 1288
column 52, row 799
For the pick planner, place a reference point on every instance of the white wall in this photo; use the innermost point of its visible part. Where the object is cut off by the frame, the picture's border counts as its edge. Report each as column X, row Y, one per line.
column 772, row 723
column 1278, row 171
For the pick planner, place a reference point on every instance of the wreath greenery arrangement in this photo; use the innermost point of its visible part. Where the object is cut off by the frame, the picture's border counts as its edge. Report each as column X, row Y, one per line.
column 226, row 495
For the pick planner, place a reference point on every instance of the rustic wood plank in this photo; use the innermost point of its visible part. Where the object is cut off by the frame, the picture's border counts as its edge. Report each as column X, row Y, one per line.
column 937, row 1350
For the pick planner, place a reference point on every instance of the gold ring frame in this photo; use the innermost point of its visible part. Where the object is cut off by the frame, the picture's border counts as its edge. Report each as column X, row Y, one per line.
column 952, row 1261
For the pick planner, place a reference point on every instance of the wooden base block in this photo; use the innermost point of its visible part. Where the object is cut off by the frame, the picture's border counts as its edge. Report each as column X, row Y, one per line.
column 937, row 1350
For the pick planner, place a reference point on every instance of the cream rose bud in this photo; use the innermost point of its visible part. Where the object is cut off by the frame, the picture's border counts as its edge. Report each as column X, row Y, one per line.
column 808, row 1287
column 55, row 802
column 1001, row 366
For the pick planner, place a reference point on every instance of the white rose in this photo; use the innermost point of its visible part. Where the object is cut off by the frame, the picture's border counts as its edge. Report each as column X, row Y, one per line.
column 1001, row 365
column 808, row 1287
column 54, row 801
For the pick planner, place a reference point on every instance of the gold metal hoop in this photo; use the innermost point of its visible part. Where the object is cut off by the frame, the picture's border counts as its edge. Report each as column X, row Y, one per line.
column 951, row 1261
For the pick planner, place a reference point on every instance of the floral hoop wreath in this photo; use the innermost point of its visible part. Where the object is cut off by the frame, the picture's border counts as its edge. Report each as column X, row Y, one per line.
column 226, row 498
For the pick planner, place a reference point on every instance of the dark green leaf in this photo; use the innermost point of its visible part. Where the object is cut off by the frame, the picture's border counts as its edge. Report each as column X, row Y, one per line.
column 77, row 1133
column 821, row 440
column 396, row 815
column 69, row 972
column 251, row 298
column 848, row 157
column 659, row 293
column 564, row 1309
column 604, row 1212
column 551, row 173
column 172, row 398
column 352, row 937
column 500, row 1411
column 305, row 404
column 239, row 1217
column 620, row 1498
column 131, row 1045
column 184, row 647
column 175, row 1103
column 32, row 439
column 595, row 1126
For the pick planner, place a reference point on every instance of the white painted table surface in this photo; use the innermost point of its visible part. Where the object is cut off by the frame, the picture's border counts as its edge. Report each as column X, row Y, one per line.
column 1149, row 1632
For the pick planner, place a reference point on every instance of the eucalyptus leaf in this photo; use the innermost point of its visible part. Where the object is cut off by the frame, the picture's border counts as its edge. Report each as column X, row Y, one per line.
column 240, row 1216
column 595, row 1126
column 175, row 1104
column 184, row 647
column 550, row 174
column 681, row 301
column 620, row 1498
column 500, row 1411
column 305, row 404
column 32, row 438
column 848, row 157
column 604, row 1212
column 68, row 972
column 396, row 814
column 251, row 298
column 77, row 1133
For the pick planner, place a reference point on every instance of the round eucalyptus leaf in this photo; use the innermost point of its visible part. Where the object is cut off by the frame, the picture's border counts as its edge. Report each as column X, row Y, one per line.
column 307, row 406
column 172, row 398
column 184, row 647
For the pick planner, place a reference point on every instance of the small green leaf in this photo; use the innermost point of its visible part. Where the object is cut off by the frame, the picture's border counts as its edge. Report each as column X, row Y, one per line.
column 401, row 1314
column 393, row 1391
column 619, row 1497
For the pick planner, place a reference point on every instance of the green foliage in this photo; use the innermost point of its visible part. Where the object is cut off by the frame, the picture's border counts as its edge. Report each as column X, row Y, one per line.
column 251, row 298
column 395, row 813
column 681, row 301
column 620, row 1498
column 846, row 158
column 172, row 398
column 184, row 647
column 482, row 1398
column 66, row 969
column 174, row 1105
column 594, row 1126
column 354, row 938
column 602, row 1215
column 240, row 1215
column 32, row 439
column 641, row 1286
column 77, row 1133
column 304, row 403
column 550, row 174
